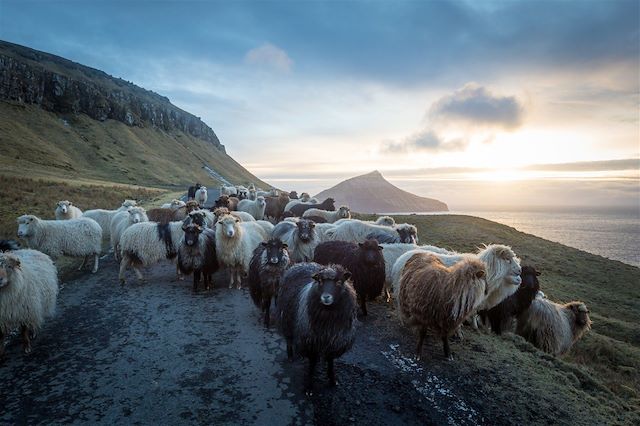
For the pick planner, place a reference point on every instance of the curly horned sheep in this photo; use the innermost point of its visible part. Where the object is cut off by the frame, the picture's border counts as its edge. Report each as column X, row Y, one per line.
column 254, row 208
column 300, row 237
column 103, row 217
column 437, row 299
column 363, row 260
column 268, row 264
column 553, row 327
column 343, row 212
column 120, row 222
column 28, row 293
column 147, row 243
column 197, row 254
column 235, row 242
column 317, row 314
column 66, row 210
column 73, row 237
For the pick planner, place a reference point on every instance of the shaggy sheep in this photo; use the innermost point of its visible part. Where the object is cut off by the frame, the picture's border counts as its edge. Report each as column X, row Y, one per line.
column 252, row 194
column 197, row 254
column 235, row 242
column 437, row 299
column 305, row 197
column 28, row 292
column 266, row 225
column 228, row 190
column 243, row 192
column 191, row 192
column 66, row 210
column 165, row 216
column 147, row 243
column 363, row 260
column 502, row 315
column 254, row 208
column 174, row 204
column 201, row 195
column 103, row 217
column 293, row 195
column 73, row 237
column 120, row 222
column 321, row 230
column 299, row 209
column 392, row 252
column 553, row 327
column 502, row 267
column 275, row 206
column 226, row 201
column 357, row 231
column 269, row 262
column 300, row 237
column 329, row 217
column 218, row 212
column 404, row 234
column 315, row 219
column 317, row 314
column 385, row 221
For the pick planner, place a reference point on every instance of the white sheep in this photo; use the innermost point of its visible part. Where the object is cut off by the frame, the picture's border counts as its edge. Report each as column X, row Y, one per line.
column 147, row 243
column 73, row 237
column 235, row 242
column 553, row 327
column 358, row 231
column 300, row 237
column 503, row 271
column 228, row 190
column 343, row 212
column 28, row 293
column 254, row 208
column 321, row 230
column 385, row 221
column 120, row 222
column 201, row 195
column 103, row 217
column 66, row 210
column 174, row 204
column 266, row 225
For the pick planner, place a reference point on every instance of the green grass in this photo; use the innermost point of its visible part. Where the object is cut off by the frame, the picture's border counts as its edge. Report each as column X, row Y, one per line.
column 607, row 358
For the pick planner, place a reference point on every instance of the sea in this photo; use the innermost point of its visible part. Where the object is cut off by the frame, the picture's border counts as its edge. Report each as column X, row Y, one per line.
column 613, row 233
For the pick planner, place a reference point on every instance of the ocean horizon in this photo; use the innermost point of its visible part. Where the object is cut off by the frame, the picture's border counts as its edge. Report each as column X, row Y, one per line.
column 613, row 233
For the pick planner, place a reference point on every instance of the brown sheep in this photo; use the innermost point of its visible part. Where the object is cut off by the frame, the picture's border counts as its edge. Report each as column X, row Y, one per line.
column 275, row 206
column 437, row 299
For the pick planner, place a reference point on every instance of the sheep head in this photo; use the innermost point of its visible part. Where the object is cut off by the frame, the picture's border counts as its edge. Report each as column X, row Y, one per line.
column 192, row 234
column 581, row 314
column 408, row 234
column 344, row 212
column 25, row 223
column 8, row 264
column 305, row 230
column 330, row 283
column 228, row 225
column 275, row 251
column 64, row 206
column 370, row 252
column 129, row 203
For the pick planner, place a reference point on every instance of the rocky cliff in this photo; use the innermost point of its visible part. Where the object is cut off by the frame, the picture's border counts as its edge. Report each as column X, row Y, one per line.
column 58, row 85
column 372, row 193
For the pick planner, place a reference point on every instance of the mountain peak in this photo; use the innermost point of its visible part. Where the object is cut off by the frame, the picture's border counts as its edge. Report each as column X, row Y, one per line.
column 372, row 193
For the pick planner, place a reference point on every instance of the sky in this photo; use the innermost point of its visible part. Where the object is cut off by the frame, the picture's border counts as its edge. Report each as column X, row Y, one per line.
column 493, row 103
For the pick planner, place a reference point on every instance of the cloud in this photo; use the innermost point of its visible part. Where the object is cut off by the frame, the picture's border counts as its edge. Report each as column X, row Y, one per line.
column 426, row 140
column 476, row 105
column 270, row 56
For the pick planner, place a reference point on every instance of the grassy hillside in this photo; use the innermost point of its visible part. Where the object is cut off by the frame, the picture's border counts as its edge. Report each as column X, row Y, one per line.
column 608, row 358
column 37, row 143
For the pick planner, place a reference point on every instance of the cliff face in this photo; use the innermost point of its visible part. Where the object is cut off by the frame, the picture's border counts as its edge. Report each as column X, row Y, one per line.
column 372, row 193
column 58, row 85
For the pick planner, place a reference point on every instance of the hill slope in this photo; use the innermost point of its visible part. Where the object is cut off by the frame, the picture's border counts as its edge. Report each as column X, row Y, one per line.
column 373, row 193
column 62, row 119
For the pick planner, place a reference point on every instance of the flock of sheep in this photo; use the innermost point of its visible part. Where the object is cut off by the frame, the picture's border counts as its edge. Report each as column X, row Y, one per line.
column 316, row 263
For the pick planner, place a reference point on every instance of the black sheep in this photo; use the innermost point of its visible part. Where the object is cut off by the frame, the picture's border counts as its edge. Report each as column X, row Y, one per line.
column 363, row 260
column 191, row 193
column 269, row 262
column 299, row 209
column 197, row 254
column 293, row 195
column 317, row 311
column 501, row 315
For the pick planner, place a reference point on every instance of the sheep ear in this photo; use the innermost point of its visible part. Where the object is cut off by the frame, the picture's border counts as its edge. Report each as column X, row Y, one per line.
column 346, row 276
column 316, row 277
column 380, row 248
column 264, row 243
column 237, row 220
column 480, row 274
column 360, row 244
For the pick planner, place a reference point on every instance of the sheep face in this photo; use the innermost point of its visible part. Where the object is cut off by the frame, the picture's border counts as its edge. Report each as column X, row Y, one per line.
column 260, row 201
column 25, row 225
column 223, row 201
column 581, row 314
column 228, row 225
column 129, row 203
column 529, row 278
column 370, row 252
column 305, row 197
column 386, row 221
column 305, row 230
column 135, row 215
column 275, row 251
column 408, row 234
column 64, row 206
column 329, row 285
column 192, row 234
column 191, row 206
column 8, row 264
column 198, row 218
column 344, row 212
column 506, row 264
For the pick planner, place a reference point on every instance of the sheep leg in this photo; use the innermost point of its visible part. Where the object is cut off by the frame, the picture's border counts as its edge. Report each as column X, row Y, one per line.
column 124, row 264
column 331, row 373
column 196, row 280
column 84, row 261
column 421, row 336
column 232, row 276
column 96, row 260
column 388, row 293
column 138, row 270
column 313, row 360
column 289, row 350
column 266, row 308
column 26, row 340
column 363, row 304
column 447, row 349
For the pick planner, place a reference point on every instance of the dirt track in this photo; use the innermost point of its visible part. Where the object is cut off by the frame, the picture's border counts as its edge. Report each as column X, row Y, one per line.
column 155, row 353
